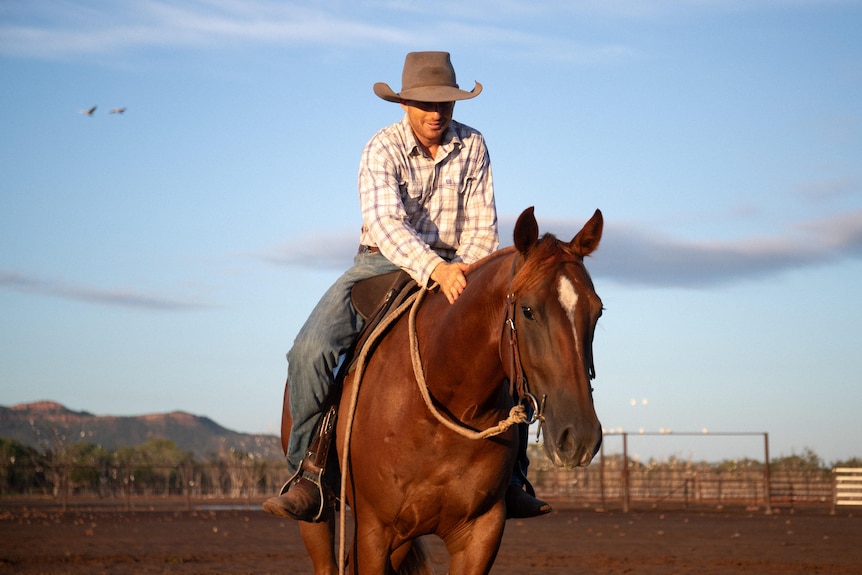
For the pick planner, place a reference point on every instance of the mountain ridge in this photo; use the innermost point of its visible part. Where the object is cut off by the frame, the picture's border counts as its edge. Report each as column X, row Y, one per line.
column 44, row 424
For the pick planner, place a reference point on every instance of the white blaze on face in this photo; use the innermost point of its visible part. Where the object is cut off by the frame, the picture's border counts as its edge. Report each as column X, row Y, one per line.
column 569, row 299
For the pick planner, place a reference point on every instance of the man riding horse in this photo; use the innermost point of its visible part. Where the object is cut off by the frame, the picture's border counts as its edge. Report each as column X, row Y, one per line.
column 427, row 199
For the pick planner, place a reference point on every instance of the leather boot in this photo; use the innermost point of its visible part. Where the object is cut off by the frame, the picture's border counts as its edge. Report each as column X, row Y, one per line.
column 302, row 501
column 522, row 505
column 305, row 496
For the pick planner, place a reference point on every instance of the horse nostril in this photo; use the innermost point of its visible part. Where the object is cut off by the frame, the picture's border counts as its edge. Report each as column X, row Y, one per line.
column 578, row 449
column 566, row 442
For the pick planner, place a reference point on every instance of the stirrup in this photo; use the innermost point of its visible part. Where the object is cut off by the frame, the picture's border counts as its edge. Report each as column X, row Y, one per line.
column 327, row 497
column 313, row 465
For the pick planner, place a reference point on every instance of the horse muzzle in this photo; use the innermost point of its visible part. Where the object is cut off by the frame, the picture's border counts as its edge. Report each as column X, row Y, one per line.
column 571, row 447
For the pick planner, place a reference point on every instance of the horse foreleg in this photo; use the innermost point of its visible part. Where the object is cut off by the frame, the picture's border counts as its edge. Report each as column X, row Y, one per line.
column 371, row 550
column 473, row 548
column 319, row 540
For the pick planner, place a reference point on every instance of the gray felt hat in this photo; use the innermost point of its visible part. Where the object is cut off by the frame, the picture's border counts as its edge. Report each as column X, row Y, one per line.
column 427, row 77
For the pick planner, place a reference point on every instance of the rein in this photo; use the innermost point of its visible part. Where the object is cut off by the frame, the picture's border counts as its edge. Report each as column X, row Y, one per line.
column 378, row 331
column 516, row 415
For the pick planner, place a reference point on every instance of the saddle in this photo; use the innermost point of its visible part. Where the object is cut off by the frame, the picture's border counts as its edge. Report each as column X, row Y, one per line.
column 373, row 298
column 368, row 296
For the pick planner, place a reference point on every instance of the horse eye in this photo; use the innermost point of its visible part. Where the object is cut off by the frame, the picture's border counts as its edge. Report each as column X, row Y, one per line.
column 528, row 312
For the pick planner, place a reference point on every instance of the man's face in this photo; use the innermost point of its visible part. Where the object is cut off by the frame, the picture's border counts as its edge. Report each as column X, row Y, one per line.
column 428, row 120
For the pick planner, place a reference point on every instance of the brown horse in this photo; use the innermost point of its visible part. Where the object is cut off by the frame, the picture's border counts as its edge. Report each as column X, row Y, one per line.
column 527, row 316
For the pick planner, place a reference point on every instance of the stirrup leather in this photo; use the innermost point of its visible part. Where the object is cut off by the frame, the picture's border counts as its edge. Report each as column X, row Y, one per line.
column 313, row 465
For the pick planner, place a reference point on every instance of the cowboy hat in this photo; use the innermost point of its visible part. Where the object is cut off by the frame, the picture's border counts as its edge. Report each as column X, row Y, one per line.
column 427, row 77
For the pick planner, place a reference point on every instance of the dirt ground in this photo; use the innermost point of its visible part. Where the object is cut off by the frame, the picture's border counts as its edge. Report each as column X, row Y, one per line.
column 38, row 538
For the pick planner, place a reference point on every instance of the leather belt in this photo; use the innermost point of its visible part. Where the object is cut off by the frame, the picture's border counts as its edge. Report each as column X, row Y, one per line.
column 369, row 249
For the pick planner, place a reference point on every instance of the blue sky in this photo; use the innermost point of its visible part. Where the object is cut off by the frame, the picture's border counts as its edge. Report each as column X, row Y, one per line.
column 163, row 259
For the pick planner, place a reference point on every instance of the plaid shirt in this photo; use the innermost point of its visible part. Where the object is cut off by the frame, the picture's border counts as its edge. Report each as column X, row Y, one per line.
column 420, row 211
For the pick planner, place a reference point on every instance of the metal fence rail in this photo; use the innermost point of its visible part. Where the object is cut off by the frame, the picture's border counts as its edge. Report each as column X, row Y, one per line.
column 684, row 487
column 607, row 484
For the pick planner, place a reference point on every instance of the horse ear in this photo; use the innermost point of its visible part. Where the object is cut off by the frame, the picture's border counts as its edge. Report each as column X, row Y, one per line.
column 587, row 240
column 526, row 230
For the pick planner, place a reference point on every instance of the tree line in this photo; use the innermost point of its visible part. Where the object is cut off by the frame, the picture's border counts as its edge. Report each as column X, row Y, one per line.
column 156, row 467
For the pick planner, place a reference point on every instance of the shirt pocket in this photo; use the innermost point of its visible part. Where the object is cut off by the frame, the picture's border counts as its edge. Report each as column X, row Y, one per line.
column 411, row 195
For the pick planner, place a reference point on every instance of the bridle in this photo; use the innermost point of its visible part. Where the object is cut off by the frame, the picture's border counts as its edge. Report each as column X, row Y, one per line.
column 519, row 386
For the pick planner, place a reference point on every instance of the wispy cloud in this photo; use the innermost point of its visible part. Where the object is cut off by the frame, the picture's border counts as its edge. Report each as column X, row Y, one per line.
column 638, row 256
column 824, row 191
column 127, row 298
column 640, row 10
column 334, row 250
column 610, row 9
column 54, row 29
column 58, row 30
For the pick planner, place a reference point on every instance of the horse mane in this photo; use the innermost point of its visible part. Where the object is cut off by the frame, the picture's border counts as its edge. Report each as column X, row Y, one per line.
column 544, row 256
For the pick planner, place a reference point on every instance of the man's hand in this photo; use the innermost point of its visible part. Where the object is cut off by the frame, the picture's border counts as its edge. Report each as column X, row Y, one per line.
column 451, row 278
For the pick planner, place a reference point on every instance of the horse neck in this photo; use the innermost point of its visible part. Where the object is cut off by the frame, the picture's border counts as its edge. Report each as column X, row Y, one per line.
column 462, row 340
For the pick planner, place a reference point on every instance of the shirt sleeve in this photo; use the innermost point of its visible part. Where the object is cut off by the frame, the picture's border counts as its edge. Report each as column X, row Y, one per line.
column 479, row 236
column 383, row 216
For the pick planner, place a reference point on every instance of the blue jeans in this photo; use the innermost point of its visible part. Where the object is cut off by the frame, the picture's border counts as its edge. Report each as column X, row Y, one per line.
column 329, row 332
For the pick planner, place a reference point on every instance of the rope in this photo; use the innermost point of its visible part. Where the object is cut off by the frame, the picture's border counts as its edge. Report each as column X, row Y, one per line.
column 351, row 412
column 516, row 415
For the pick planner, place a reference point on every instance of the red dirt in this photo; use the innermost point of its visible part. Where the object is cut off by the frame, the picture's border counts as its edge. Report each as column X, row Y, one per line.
column 40, row 539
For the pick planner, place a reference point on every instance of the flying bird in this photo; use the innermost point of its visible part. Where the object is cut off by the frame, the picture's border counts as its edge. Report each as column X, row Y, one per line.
column 89, row 112
column 117, row 110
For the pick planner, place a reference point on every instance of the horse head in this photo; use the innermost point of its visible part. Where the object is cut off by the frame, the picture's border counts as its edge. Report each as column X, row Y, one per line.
column 554, row 309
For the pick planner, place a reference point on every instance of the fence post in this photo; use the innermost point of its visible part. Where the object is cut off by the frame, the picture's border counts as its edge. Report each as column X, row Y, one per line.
column 66, row 479
column 602, row 474
column 767, row 480
column 130, row 479
column 685, row 493
column 834, row 492
column 625, row 472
